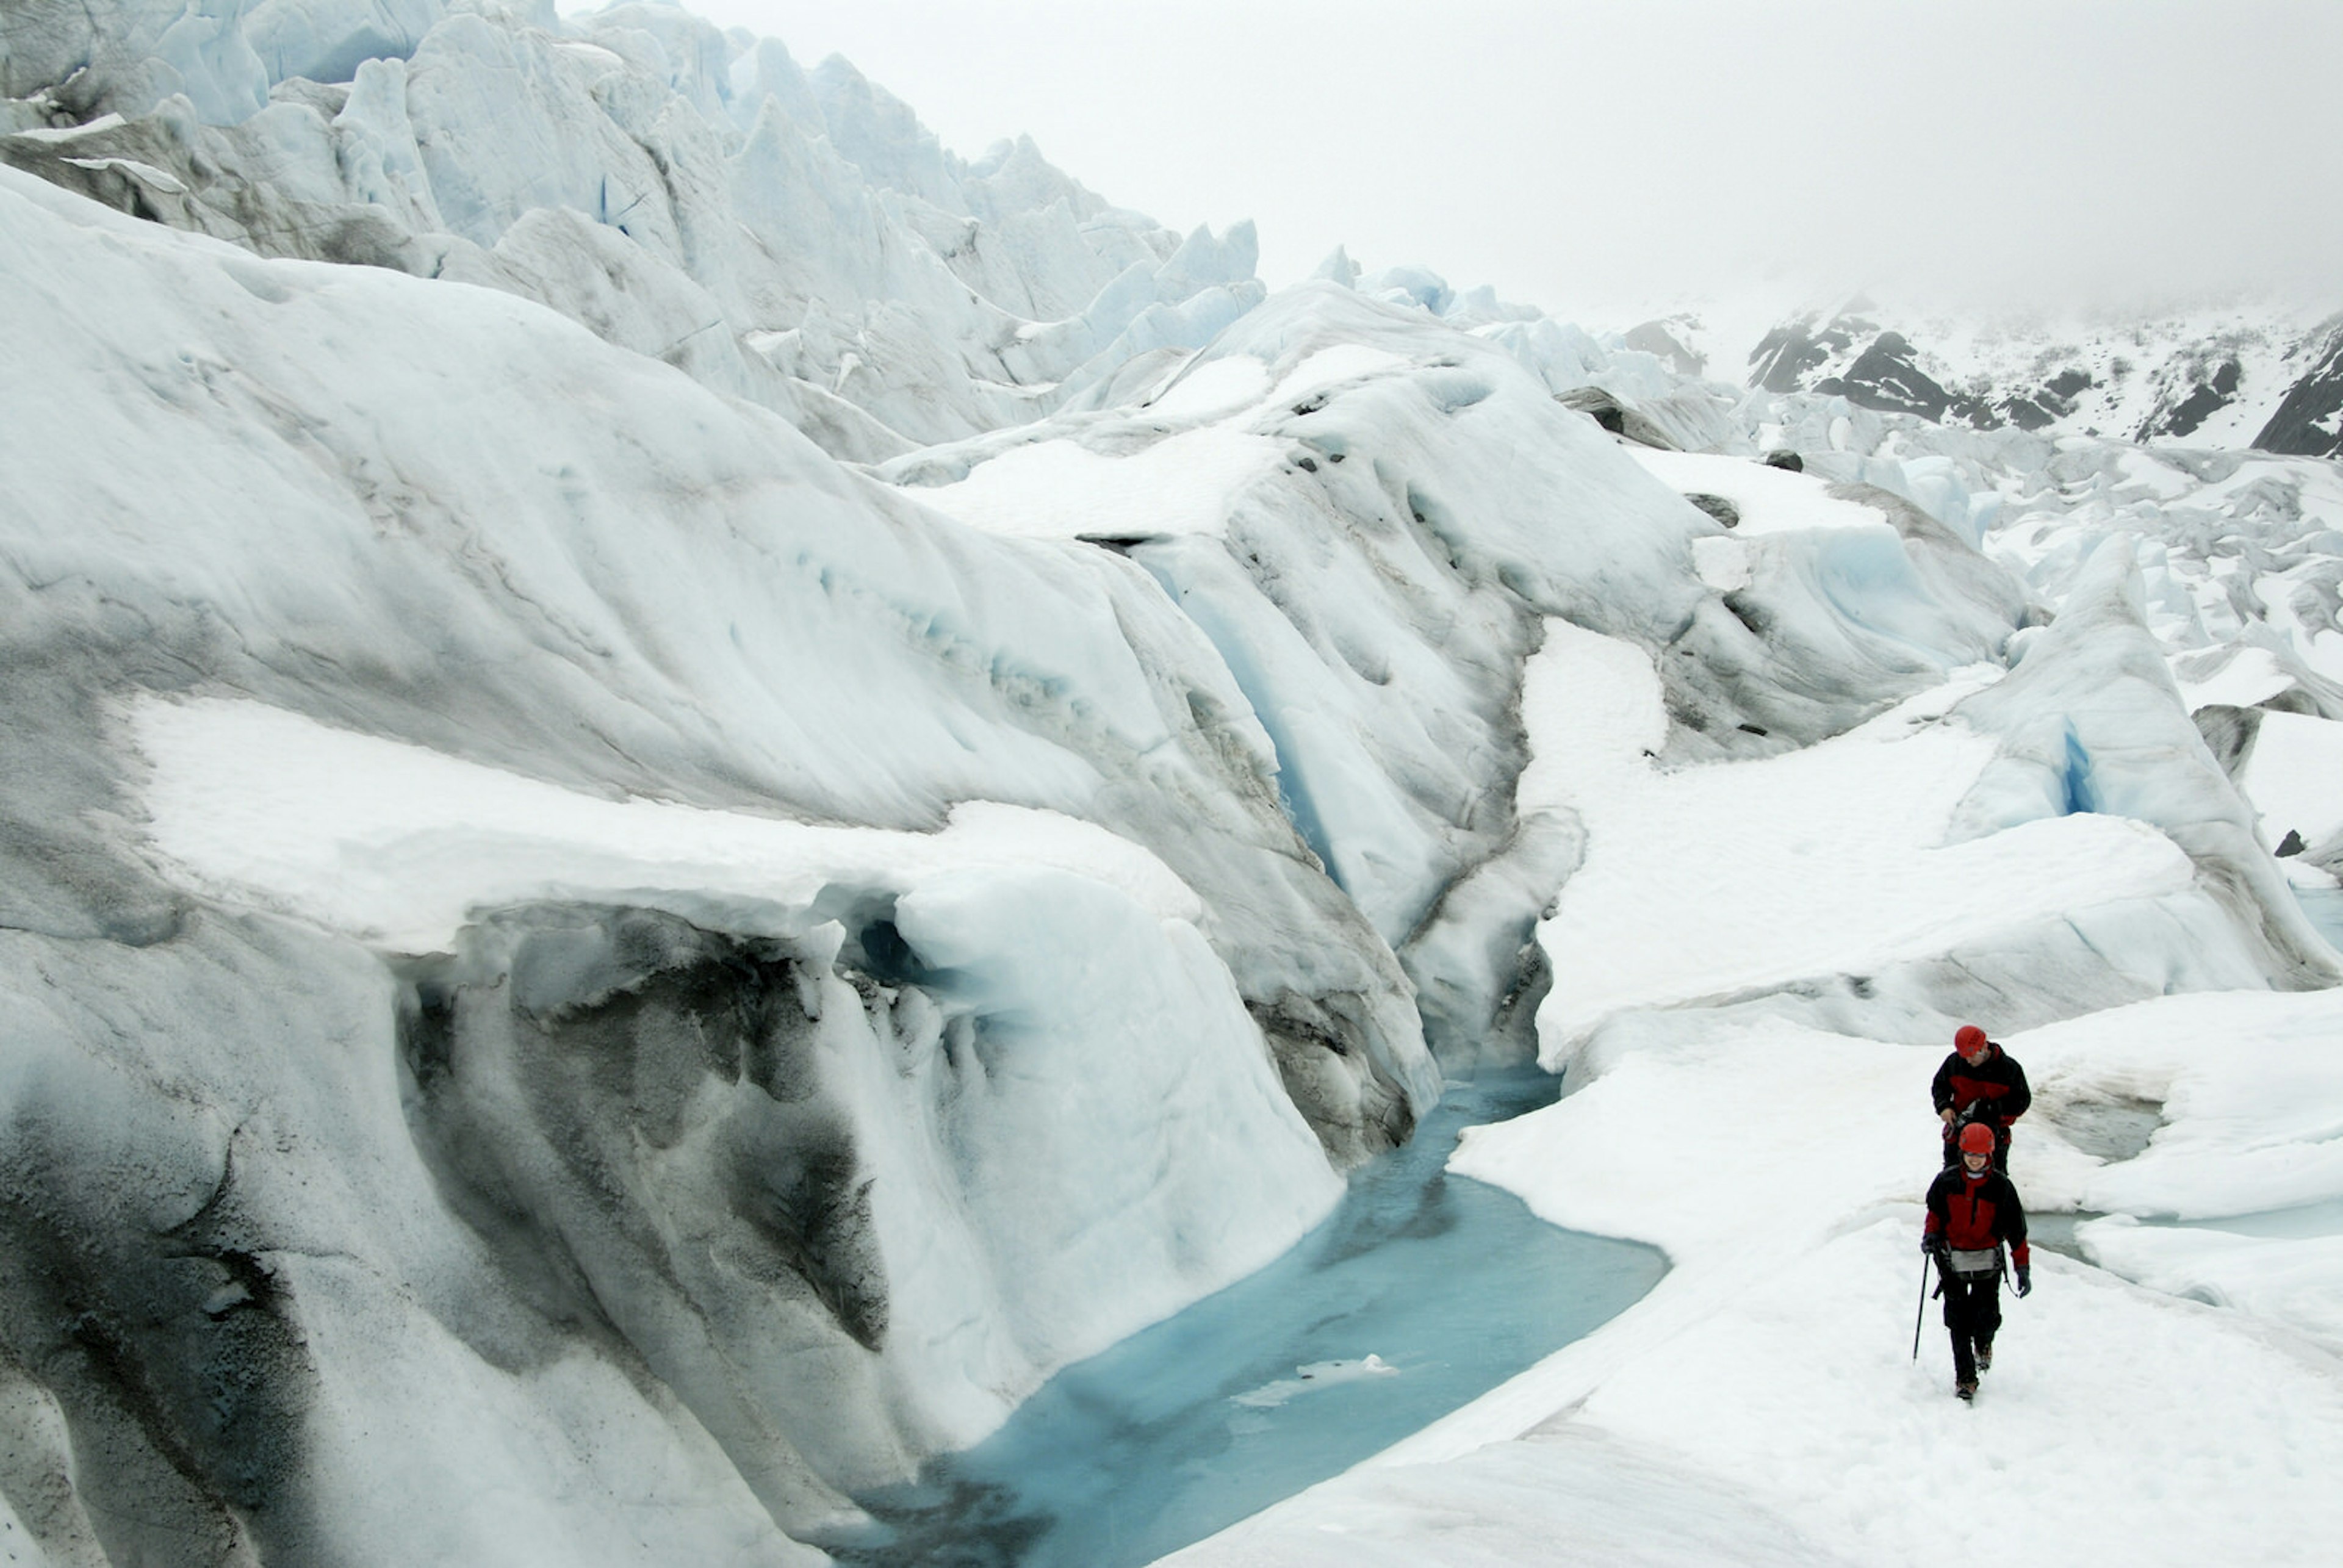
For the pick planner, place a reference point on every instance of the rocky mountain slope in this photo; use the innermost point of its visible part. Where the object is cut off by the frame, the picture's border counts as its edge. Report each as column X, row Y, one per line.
column 2265, row 378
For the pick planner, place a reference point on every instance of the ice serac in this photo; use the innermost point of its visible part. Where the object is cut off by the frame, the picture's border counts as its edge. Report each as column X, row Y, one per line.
column 2090, row 721
column 805, row 244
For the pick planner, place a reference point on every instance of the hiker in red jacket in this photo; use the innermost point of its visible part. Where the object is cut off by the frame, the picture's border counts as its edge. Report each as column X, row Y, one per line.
column 1983, row 1083
column 1972, row 1210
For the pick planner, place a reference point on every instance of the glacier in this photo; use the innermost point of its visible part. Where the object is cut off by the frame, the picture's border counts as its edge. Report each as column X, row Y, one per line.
column 693, row 790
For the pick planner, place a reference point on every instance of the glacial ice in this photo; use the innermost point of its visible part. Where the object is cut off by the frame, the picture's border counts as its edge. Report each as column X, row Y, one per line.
column 799, row 242
column 691, row 789
column 630, row 637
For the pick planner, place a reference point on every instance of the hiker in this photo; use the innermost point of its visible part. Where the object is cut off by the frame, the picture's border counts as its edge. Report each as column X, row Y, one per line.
column 1982, row 1083
column 1972, row 1210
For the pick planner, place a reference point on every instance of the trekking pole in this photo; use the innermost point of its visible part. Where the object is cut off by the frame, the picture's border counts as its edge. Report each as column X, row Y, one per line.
column 1921, row 1314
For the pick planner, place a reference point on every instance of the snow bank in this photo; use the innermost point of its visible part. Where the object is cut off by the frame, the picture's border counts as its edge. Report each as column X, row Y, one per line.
column 397, row 845
column 2289, row 777
column 1576, row 1499
column 2239, row 1185
column 1183, row 483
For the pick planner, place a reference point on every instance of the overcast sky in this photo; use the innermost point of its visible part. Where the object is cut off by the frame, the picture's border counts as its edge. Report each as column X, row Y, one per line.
column 1584, row 157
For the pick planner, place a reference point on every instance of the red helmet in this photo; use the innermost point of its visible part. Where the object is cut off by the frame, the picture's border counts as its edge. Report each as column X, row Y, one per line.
column 1976, row 1138
column 1967, row 1038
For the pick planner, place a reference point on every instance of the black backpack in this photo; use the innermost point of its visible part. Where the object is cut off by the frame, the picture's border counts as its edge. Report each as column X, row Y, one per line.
column 1979, row 1113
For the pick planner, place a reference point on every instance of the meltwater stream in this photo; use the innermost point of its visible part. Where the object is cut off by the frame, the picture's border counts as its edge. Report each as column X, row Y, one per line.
column 1420, row 1292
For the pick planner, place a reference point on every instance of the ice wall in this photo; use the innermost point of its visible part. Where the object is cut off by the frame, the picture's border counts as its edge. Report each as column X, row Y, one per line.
column 447, row 518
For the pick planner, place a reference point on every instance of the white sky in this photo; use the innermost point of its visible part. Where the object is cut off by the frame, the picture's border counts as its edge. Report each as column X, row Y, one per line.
column 1578, row 154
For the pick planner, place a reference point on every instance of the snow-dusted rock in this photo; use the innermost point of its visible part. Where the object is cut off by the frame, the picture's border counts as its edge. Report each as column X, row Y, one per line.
column 2258, row 374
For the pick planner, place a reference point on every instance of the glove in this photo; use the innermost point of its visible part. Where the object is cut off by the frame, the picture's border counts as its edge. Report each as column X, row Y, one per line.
column 2024, row 1280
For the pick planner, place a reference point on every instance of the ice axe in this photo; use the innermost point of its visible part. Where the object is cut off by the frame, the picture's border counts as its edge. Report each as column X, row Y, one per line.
column 1920, row 1314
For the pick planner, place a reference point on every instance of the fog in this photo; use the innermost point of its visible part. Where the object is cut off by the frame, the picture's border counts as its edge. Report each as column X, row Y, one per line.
column 1601, row 158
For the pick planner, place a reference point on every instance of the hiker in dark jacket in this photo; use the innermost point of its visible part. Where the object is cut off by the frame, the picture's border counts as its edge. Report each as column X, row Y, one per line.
column 1979, row 1082
column 1972, row 1210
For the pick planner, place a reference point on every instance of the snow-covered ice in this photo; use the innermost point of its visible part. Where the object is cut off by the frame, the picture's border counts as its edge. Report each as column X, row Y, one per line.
column 1769, row 500
column 2290, row 777
column 1183, row 483
column 399, row 846
column 688, row 787
column 1841, row 846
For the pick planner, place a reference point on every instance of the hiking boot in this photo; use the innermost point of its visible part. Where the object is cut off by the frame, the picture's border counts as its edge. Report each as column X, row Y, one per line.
column 1966, row 1390
column 1983, row 1358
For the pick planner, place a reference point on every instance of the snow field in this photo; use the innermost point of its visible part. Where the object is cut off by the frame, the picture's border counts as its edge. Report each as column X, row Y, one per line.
column 1771, row 1372
column 2250, row 675
column 2293, row 1280
column 2200, row 1430
column 2194, row 1438
column 1577, row 1498
column 2241, row 1186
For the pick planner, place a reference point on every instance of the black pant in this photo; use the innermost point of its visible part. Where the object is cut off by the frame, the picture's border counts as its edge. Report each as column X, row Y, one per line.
column 1973, row 1312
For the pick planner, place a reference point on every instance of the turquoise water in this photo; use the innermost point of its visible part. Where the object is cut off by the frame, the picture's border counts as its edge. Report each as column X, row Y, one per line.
column 1207, row 1417
column 2325, row 908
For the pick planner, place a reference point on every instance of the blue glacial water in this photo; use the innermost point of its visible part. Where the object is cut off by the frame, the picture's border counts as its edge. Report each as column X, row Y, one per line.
column 2325, row 908
column 1265, row 1388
